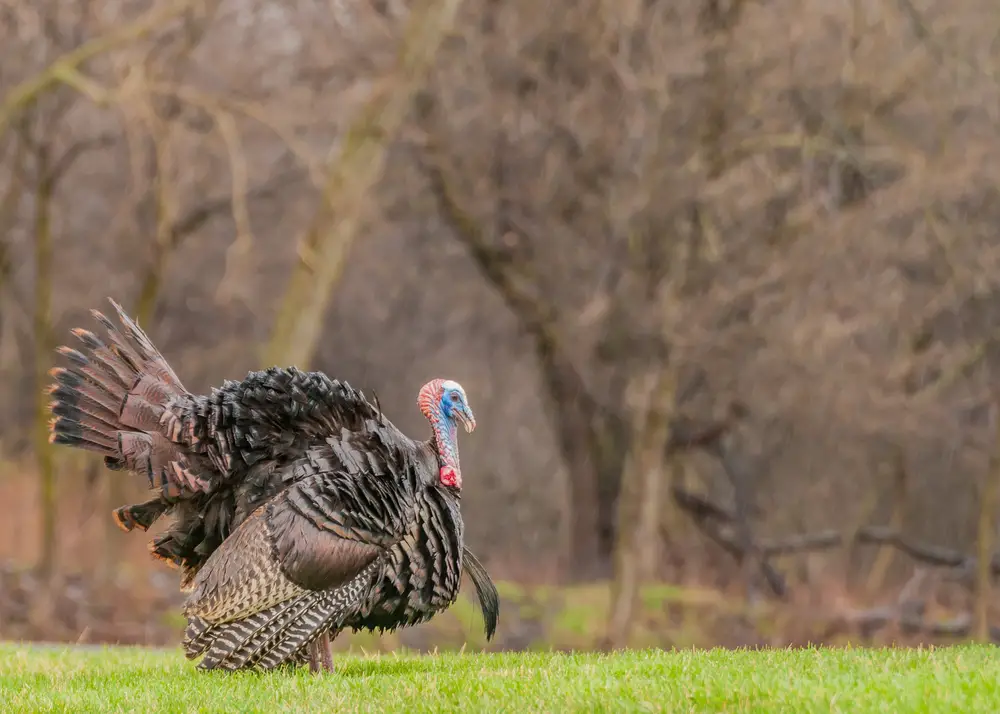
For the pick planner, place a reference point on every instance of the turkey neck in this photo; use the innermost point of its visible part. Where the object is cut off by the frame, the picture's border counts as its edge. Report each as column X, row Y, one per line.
column 445, row 442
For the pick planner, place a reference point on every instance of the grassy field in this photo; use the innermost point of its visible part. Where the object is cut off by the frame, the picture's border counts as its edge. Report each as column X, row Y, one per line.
column 956, row 679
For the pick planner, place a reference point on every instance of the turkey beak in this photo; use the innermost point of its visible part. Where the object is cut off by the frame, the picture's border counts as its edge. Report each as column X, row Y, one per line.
column 468, row 420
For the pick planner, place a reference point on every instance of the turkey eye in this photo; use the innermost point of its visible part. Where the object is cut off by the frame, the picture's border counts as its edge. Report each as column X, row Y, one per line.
column 454, row 397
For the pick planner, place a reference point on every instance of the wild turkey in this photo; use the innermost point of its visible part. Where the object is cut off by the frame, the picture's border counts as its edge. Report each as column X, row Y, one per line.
column 298, row 509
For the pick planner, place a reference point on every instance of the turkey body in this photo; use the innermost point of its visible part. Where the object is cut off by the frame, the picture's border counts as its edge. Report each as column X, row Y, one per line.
column 298, row 510
column 331, row 551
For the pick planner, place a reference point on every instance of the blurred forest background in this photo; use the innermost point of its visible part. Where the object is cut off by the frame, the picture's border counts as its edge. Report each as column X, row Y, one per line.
column 721, row 279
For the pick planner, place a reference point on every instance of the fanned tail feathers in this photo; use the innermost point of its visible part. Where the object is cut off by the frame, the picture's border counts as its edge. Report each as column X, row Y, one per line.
column 110, row 400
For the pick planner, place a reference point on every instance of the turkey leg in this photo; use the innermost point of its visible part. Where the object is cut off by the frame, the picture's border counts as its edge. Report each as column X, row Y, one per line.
column 320, row 655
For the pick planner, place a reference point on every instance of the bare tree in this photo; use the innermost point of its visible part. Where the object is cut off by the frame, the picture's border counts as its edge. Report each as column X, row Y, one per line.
column 620, row 222
column 133, row 75
column 351, row 174
column 36, row 110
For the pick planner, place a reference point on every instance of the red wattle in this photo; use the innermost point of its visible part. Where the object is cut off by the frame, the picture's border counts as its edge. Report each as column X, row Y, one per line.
column 450, row 477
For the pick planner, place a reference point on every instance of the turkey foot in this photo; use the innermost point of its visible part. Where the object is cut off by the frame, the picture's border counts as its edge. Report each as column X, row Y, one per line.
column 320, row 656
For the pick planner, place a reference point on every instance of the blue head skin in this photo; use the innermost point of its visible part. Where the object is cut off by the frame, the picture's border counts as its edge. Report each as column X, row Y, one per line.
column 445, row 405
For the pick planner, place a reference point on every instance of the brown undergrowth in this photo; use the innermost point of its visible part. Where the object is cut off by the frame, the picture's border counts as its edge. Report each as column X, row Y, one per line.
column 136, row 600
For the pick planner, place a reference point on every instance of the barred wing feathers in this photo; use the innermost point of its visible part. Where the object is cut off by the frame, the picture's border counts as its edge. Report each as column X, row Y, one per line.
column 302, row 564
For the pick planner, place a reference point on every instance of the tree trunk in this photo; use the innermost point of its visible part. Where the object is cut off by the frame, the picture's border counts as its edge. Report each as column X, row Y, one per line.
column 584, row 431
column 355, row 171
column 650, row 397
column 986, row 541
column 575, row 417
column 8, row 209
column 43, row 349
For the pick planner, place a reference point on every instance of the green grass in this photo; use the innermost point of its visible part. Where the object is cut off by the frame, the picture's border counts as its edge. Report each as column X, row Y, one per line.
column 953, row 679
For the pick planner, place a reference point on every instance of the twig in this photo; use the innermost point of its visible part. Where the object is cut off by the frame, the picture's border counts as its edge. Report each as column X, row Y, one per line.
column 65, row 162
column 65, row 69
column 216, row 105
column 198, row 216
column 241, row 248
column 686, row 434
column 718, row 523
column 872, row 620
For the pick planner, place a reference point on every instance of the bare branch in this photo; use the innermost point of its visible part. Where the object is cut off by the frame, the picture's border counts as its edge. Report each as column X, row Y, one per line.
column 872, row 620
column 65, row 162
column 200, row 214
column 240, row 251
column 497, row 265
column 350, row 176
column 222, row 106
column 717, row 522
column 66, row 69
